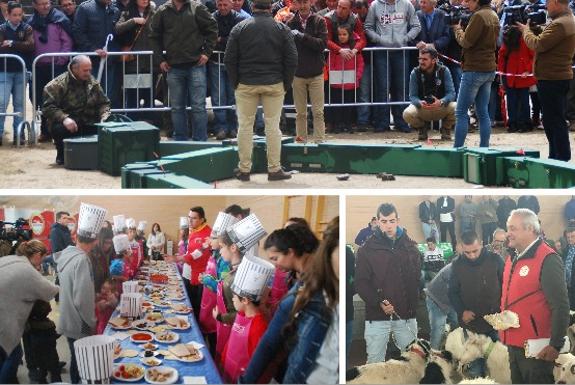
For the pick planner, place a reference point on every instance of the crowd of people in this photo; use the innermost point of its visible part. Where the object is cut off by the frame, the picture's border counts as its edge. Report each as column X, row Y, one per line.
column 517, row 268
column 216, row 48
column 286, row 330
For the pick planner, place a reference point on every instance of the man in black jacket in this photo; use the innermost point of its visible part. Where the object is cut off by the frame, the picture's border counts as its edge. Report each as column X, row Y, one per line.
column 261, row 60
column 310, row 35
column 475, row 290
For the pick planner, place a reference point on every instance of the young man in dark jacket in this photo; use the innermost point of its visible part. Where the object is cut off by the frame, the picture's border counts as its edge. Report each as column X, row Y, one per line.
column 475, row 289
column 310, row 35
column 387, row 278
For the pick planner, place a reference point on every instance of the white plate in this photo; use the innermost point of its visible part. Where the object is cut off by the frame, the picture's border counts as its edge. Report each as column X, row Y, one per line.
column 142, row 324
column 155, row 361
column 142, row 341
column 200, row 356
column 135, row 379
column 142, row 354
column 176, row 338
column 164, row 369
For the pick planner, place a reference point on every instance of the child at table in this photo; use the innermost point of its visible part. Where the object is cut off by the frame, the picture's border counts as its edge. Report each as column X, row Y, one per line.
column 106, row 302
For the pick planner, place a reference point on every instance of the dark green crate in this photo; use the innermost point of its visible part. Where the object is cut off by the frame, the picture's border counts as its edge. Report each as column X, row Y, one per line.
column 366, row 158
column 170, row 147
column 540, row 173
column 127, row 171
column 486, row 166
column 516, row 172
column 123, row 143
column 207, row 165
column 138, row 178
column 81, row 153
column 306, row 158
column 175, row 181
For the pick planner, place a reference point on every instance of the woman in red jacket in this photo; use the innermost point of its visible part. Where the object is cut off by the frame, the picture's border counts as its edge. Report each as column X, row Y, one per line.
column 515, row 58
column 196, row 258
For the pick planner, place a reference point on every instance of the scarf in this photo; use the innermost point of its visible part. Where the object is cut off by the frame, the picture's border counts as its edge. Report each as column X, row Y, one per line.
column 55, row 16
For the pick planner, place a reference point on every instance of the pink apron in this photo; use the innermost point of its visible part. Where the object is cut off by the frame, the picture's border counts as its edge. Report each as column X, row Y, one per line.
column 223, row 330
column 237, row 355
column 279, row 289
column 207, row 321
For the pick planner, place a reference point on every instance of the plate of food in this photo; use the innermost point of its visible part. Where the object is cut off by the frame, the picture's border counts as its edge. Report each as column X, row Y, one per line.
column 128, row 372
column 151, row 361
column 160, row 279
column 161, row 375
column 186, row 353
column 154, row 317
column 142, row 324
column 180, row 308
column 150, row 346
column 120, row 323
column 167, row 337
column 141, row 337
column 162, row 303
column 178, row 323
column 149, row 353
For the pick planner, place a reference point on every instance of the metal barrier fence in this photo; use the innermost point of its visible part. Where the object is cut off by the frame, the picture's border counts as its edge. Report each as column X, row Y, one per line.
column 142, row 83
column 8, row 87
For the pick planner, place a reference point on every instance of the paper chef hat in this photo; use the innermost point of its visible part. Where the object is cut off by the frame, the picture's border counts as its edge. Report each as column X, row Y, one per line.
column 222, row 223
column 95, row 356
column 252, row 277
column 121, row 243
column 90, row 220
column 142, row 225
column 184, row 224
column 119, row 223
column 247, row 232
column 131, row 223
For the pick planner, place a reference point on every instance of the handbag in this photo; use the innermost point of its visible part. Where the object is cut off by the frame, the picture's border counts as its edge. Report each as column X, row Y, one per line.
column 128, row 48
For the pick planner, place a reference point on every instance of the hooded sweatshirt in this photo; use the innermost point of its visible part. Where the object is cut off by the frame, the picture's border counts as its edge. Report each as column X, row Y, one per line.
column 77, row 294
column 25, row 285
column 392, row 25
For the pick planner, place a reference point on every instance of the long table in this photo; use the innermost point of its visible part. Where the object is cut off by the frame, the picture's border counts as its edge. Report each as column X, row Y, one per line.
column 204, row 368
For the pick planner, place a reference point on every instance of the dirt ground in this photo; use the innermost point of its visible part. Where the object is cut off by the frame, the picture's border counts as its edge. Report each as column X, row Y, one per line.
column 33, row 167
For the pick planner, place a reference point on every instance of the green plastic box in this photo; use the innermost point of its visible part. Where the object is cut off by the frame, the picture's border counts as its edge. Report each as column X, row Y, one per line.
column 207, row 165
column 171, row 180
column 126, row 142
column 486, row 166
column 539, row 173
column 170, row 147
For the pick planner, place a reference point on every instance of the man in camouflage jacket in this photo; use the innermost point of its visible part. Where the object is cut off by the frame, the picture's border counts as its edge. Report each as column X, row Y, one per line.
column 73, row 103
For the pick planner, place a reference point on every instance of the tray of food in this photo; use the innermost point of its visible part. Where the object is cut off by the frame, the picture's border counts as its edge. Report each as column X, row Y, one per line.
column 154, row 317
column 167, row 337
column 128, row 372
column 178, row 323
column 120, row 323
column 180, row 308
column 151, row 361
column 186, row 352
column 161, row 375
column 141, row 337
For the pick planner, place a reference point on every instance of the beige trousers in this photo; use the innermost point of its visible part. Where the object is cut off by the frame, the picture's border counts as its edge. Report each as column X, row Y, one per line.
column 301, row 87
column 416, row 117
column 247, row 99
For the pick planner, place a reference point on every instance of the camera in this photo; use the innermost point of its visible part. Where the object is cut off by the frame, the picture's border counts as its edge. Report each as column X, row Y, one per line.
column 535, row 13
column 429, row 99
column 455, row 14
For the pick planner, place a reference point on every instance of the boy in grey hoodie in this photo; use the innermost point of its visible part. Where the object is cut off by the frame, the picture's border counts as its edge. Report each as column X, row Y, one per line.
column 391, row 24
column 77, row 296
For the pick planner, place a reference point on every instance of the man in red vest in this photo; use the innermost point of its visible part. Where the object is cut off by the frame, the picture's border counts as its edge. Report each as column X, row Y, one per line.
column 534, row 287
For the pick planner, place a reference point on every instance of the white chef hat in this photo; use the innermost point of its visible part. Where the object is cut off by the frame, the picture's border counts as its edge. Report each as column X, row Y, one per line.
column 131, row 223
column 121, row 243
column 90, row 220
column 184, row 223
column 142, row 225
column 252, row 277
column 119, row 223
column 222, row 223
column 246, row 233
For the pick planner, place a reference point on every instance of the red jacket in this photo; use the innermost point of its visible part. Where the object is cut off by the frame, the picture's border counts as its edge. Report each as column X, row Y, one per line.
column 343, row 73
column 522, row 294
column 195, row 242
column 518, row 62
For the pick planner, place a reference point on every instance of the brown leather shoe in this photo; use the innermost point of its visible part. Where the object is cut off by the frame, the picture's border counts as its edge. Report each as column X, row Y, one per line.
column 278, row 175
column 243, row 176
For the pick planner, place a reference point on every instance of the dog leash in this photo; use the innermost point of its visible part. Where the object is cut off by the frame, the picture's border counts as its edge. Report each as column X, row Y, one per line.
column 394, row 313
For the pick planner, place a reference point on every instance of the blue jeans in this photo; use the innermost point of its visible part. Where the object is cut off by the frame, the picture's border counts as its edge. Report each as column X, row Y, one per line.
column 74, row 374
column 9, row 365
column 222, row 94
column 553, row 99
column 467, row 225
column 456, row 73
column 518, row 106
column 191, row 83
column 390, row 72
column 437, row 320
column 475, row 88
column 111, row 81
column 11, row 83
column 377, row 336
column 430, row 230
column 364, row 96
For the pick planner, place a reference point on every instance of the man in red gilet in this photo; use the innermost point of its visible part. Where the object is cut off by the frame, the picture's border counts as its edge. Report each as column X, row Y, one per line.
column 533, row 287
